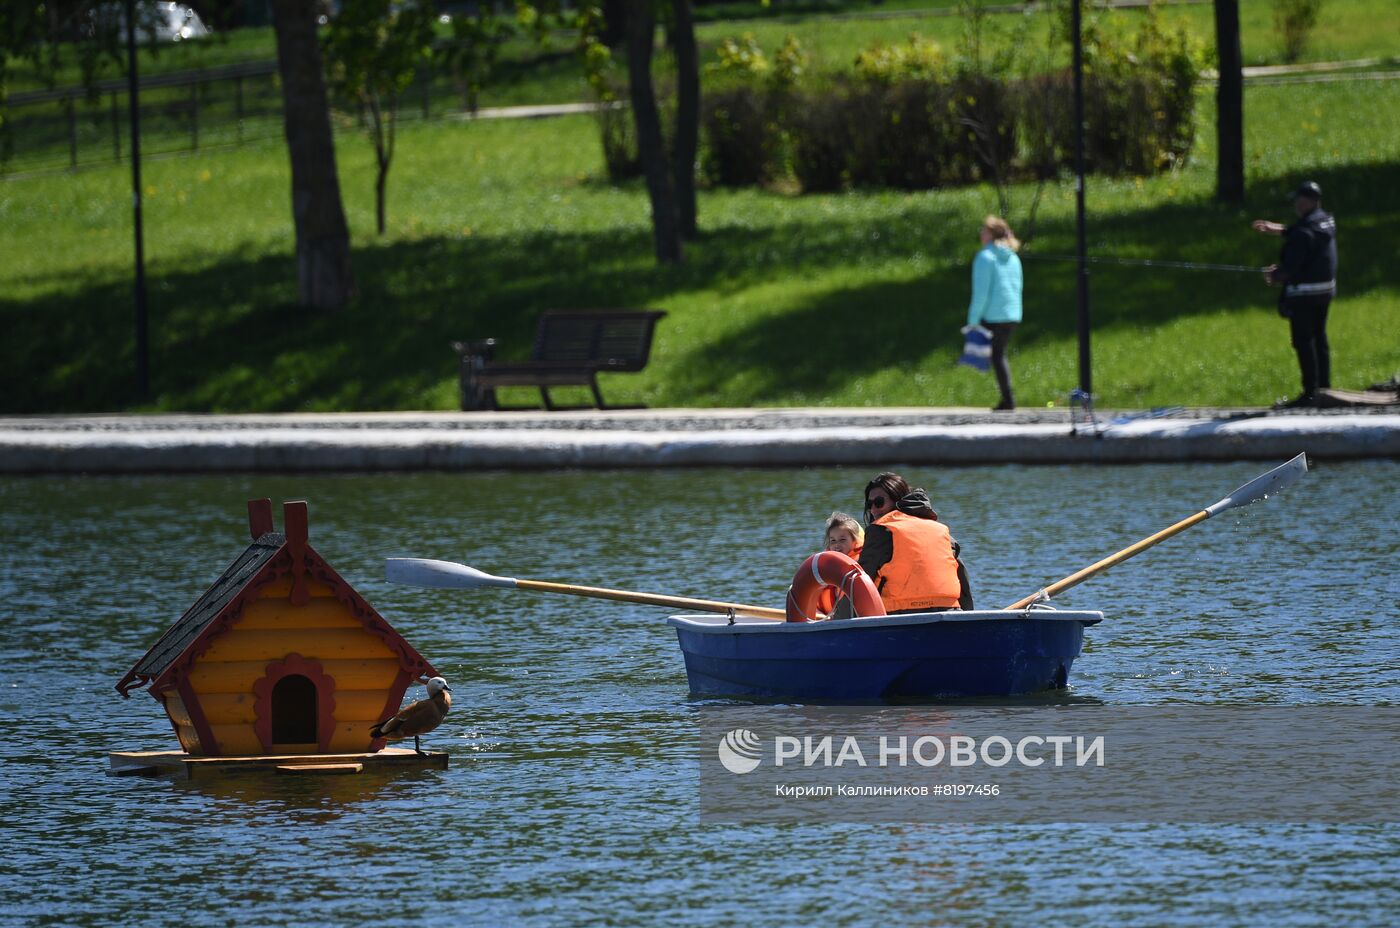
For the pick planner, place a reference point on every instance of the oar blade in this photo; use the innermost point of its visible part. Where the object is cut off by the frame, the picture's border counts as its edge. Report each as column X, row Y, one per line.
column 1261, row 487
column 1264, row 486
column 447, row 575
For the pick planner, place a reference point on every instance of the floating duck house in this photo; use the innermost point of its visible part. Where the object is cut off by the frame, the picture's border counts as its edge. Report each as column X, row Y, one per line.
column 280, row 656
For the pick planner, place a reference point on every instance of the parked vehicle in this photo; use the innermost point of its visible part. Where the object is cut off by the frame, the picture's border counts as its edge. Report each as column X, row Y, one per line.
column 160, row 21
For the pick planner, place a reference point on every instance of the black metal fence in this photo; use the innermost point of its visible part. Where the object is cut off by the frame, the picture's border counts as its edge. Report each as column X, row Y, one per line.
column 70, row 127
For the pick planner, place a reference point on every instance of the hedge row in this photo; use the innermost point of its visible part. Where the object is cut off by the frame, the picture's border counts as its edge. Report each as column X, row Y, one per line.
column 907, row 116
column 917, row 135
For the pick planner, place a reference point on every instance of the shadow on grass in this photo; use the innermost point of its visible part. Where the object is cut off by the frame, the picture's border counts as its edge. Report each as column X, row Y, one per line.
column 842, row 335
column 226, row 337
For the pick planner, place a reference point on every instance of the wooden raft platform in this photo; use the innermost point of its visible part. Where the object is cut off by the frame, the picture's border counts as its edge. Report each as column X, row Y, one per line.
column 184, row 766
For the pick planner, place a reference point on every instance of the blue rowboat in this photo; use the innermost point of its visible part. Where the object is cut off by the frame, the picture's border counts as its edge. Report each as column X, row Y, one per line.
column 926, row 655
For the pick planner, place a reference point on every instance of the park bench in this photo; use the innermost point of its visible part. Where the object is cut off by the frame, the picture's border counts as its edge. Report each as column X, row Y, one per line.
column 571, row 348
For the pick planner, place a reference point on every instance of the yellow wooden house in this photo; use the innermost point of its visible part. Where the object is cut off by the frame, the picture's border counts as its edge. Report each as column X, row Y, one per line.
column 279, row 656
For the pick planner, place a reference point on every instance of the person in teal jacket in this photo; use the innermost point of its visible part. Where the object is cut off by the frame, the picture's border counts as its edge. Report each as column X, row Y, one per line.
column 996, row 297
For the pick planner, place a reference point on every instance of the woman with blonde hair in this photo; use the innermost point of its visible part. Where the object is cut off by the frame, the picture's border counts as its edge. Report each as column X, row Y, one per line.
column 996, row 296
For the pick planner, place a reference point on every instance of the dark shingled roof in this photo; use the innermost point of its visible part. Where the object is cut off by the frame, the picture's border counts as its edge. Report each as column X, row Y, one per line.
column 180, row 635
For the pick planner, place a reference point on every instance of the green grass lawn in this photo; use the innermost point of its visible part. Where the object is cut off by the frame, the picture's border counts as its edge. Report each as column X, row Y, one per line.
column 1350, row 29
column 848, row 299
column 833, row 31
column 39, row 134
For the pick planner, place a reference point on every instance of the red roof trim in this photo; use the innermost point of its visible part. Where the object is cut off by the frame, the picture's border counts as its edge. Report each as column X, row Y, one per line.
column 208, row 744
column 225, row 617
column 391, row 706
column 409, row 658
column 132, row 680
column 280, row 565
column 295, row 664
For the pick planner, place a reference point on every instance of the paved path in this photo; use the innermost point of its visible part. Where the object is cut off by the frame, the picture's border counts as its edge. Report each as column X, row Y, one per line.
column 179, row 443
column 1367, row 69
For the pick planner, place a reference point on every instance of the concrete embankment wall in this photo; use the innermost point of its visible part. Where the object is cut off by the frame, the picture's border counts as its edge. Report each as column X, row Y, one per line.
column 675, row 438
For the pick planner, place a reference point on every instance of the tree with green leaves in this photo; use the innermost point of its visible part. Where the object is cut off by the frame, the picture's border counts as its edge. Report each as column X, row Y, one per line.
column 22, row 38
column 45, row 35
column 44, row 32
column 470, row 56
column 374, row 49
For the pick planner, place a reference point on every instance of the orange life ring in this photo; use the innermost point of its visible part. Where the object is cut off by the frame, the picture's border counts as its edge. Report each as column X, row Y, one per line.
column 831, row 569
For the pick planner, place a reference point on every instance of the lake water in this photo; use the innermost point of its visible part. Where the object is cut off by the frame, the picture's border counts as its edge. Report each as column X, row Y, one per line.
column 571, row 796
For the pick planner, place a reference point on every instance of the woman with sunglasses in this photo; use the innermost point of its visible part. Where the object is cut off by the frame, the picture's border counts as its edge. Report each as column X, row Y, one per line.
column 910, row 555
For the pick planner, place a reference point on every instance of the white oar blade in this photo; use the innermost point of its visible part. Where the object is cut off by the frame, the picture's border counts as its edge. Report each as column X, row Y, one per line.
column 1264, row 486
column 448, row 575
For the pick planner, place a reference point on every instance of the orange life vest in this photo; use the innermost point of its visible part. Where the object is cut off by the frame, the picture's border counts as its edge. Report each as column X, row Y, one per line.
column 826, row 599
column 922, row 572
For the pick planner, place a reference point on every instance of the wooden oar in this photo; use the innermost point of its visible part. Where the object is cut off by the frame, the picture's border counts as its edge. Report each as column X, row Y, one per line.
column 453, row 576
column 1260, row 487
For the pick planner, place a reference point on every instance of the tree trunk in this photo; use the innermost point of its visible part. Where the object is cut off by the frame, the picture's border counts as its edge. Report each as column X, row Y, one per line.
column 383, row 137
column 687, row 116
column 381, row 181
column 641, row 34
column 324, row 280
column 1229, row 104
column 614, row 23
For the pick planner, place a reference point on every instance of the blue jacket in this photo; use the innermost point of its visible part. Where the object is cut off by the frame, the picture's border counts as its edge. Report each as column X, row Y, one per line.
column 996, row 286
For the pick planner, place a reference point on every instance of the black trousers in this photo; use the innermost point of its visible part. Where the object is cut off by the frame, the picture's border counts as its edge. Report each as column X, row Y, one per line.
column 1001, row 338
column 1307, row 324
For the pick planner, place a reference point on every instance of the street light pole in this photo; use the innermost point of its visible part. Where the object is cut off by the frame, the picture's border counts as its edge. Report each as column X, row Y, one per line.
column 1086, row 383
column 143, row 359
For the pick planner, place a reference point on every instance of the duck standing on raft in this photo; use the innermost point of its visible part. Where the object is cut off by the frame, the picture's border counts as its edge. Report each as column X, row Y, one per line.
column 418, row 718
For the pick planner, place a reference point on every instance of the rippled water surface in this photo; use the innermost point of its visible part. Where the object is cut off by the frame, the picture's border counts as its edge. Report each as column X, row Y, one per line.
column 571, row 796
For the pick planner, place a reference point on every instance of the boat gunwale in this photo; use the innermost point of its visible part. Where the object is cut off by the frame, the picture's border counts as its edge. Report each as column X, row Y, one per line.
column 710, row 624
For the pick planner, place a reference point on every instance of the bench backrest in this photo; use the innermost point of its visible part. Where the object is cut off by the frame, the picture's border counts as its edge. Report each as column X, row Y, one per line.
column 616, row 339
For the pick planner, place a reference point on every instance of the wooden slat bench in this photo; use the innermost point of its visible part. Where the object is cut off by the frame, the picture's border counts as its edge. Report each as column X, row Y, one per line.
column 571, row 348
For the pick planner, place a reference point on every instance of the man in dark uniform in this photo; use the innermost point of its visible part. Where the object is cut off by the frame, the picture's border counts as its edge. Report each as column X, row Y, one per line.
column 1307, row 271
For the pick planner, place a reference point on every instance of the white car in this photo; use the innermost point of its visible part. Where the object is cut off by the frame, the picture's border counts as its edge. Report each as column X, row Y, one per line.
column 176, row 22
column 162, row 21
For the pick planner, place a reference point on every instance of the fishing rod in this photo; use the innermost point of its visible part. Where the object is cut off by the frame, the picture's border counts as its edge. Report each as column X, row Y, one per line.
column 1143, row 262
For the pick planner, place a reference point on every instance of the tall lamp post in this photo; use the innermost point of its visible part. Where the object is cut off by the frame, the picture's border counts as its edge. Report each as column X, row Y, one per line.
column 143, row 350
column 1086, row 383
